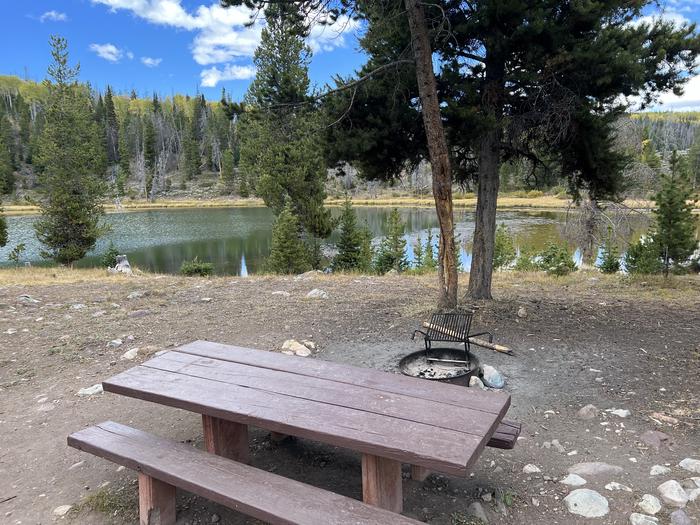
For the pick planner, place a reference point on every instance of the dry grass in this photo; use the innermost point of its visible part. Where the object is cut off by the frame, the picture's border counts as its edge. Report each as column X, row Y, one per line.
column 54, row 275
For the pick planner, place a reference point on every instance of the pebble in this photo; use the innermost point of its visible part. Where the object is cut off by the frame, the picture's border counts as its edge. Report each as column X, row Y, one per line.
column 215, row 518
column 614, row 485
column 588, row 412
column 642, row 519
column 531, row 469
column 292, row 345
column 477, row 510
column 475, row 382
column 78, row 306
column 282, row 293
column 205, row 300
column 587, row 503
column 573, row 480
column 317, row 293
column 672, row 493
column 690, row 464
column 678, row 517
column 650, row 504
column 99, row 313
column 138, row 313
column 25, row 298
column 594, row 468
column 492, row 377
column 62, row 510
column 90, row 391
column 309, row 344
column 135, row 295
column 555, row 445
column 620, row 412
column 115, row 343
column 659, row 470
column 522, row 312
column 130, row 354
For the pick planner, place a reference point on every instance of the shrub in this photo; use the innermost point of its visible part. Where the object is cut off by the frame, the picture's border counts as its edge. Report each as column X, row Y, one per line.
column 533, row 194
column 526, row 261
column 15, row 255
column 610, row 258
column 556, row 259
column 643, row 257
column 504, row 248
column 392, row 250
column 109, row 259
column 196, row 267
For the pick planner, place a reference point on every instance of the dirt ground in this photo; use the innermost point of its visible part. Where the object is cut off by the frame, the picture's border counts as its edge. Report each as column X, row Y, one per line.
column 586, row 339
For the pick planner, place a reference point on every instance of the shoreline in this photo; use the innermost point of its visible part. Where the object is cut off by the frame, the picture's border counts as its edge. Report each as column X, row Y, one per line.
column 505, row 202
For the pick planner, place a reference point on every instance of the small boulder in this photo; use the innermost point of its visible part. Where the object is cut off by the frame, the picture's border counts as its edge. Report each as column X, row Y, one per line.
column 673, row 493
column 130, row 354
column 115, row 343
column 531, row 469
column 649, row 504
column 308, row 275
column 573, row 480
column 659, row 470
column 620, row 412
column 475, row 382
column 309, row 344
column 27, row 299
column 642, row 519
column 317, row 293
column 90, row 391
column 135, row 295
column 679, row 517
column 614, row 485
column 492, row 377
column 587, row 412
column 62, row 510
column 594, row 469
column 587, row 503
column 122, row 266
column 690, row 464
column 294, row 346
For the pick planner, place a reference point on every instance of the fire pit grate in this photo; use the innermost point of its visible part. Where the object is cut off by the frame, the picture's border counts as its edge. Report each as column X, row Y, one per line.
column 435, row 364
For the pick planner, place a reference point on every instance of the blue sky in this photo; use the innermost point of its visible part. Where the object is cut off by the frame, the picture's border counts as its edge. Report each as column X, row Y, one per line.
column 185, row 46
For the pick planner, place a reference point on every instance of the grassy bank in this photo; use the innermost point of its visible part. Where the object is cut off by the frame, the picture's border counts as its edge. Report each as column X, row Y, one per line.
column 545, row 202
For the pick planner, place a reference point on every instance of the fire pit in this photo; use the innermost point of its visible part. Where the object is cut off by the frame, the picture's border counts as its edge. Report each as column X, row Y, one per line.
column 421, row 364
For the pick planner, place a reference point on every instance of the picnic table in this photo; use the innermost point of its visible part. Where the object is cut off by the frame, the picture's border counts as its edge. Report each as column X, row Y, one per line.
column 390, row 419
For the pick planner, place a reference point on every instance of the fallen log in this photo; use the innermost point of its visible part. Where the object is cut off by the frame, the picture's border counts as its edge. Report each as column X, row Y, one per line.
column 473, row 340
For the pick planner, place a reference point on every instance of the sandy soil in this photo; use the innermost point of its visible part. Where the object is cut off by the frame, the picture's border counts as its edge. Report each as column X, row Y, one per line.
column 588, row 338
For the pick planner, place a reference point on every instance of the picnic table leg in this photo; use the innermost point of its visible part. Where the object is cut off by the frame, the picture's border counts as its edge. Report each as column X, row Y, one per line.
column 419, row 473
column 156, row 501
column 381, row 482
column 226, row 438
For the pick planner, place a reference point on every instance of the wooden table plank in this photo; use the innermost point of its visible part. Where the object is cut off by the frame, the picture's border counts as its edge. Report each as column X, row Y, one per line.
column 495, row 403
column 401, row 406
column 438, row 449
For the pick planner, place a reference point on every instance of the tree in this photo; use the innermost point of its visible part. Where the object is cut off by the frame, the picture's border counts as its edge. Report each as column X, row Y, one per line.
column 227, row 171
column 352, row 251
column 3, row 228
column 391, row 254
column 288, row 252
column 71, row 154
column 7, row 168
column 504, row 249
column 610, row 257
column 280, row 156
column 675, row 225
column 111, row 128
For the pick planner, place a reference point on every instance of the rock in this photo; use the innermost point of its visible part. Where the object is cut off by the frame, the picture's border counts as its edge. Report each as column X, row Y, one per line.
column 693, row 494
column 573, row 480
column 531, row 469
column 649, row 504
column 392, row 272
column 135, row 295
column 130, row 354
column 282, row 293
column 672, row 493
column 587, row 503
column 594, row 468
column 476, row 510
column 642, row 519
column 620, row 412
column 308, row 275
column 492, row 377
column 522, row 312
column 309, row 344
column 659, row 470
column 139, row 313
column 28, row 299
column 76, row 465
column 90, row 391
column 78, row 306
column 655, row 439
column 215, row 518
column 62, row 510
column 678, row 517
column 317, row 293
column 205, row 300
column 99, row 313
column 475, row 382
column 690, row 464
column 614, row 485
column 555, row 445
column 294, row 346
column 115, row 343
column 587, row 412
column 122, row 266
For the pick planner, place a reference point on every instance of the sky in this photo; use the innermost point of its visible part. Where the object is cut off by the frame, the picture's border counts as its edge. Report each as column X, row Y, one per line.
column 191, row 46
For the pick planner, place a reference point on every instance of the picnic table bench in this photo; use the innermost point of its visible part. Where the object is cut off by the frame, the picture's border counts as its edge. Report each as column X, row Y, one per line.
column 390, row 419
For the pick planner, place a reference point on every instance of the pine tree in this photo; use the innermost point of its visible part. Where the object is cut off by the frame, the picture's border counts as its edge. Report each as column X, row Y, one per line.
column 392, row 250
column 7, row 168
column 649, row 155
column 429, row 262
column 280, row 156
column 610, row 257
column 675, row 225
column 504, row 248
column 227, row 171
column 111, row 128
column 3, row 228
column 243, row 190
column 71, row 154
column 418, row 254
column 192, row 157
column 352, row 244
column 288, row 253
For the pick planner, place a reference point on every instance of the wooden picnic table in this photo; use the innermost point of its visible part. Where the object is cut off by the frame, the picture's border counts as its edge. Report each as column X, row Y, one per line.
column 391, row 419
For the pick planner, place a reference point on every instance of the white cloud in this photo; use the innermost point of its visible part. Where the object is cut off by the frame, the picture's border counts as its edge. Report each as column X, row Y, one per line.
column 129, row 55
column 109, row 52
column 151, row 62
column 688, row 101
column 212, row 76
column 53, row 16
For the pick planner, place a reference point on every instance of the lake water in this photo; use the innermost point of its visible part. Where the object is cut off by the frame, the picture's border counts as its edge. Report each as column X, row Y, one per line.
column 237, row 240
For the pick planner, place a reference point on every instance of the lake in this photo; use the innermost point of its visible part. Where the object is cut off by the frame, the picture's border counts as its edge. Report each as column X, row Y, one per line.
column 237, row 240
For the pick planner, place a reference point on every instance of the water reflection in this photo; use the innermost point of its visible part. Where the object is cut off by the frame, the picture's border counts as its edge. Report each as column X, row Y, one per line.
column 237, row 240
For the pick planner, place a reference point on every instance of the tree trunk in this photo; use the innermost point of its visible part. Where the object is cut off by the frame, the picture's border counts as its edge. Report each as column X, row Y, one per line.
column 487, row 192
column 437, row 148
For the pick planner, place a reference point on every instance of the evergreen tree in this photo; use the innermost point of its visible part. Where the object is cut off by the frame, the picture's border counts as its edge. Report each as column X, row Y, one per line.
column 675, row 225
column 392, row 250
column 7, row 169
column 3, row 227
column 70, row 152
column 243, row 190
column 111, row 128
column 192, row 157
column 352, row 244
column 429, row 261
column 504, row 248
column 280, row 156
column 418, row 254
column 610, row 258
column 149, row 145
column 227, row 171
column 649, row 155
column 288, row 253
